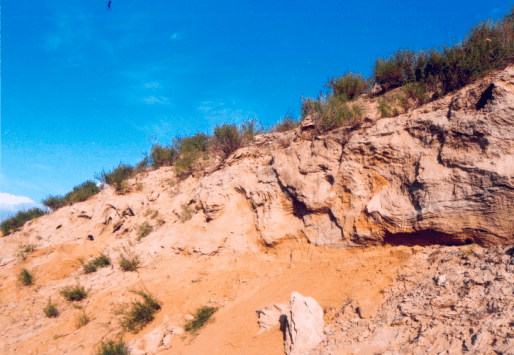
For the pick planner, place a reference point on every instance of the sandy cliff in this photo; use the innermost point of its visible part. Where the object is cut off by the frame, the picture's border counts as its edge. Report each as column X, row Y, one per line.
column 334, row 217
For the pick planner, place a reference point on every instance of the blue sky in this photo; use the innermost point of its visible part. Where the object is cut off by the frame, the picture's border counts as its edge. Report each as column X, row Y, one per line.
column 84, row 88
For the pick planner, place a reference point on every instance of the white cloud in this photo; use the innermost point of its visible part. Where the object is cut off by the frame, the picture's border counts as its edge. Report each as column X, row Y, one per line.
column 175, row 36
column 8, row 199
column 152, row 85
column 151, row 100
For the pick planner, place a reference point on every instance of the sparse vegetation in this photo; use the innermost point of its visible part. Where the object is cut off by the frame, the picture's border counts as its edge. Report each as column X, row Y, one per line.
column 74, row 293
column 129, row 262
column 82, row 320
column 79, row 193
column 50, row 309
column 144, row 230
column 329, row 111
column 25, row 250
column 116, row 177
column 417, row 92
column 488, row 46
column 162, row 156
column 384, row 108
column 14, row 223
column 348, row 86
column 186, row 214
column 140, row 313
column 26, row 278
column 288, row 123
column 112, row 347
column 100, row 261
column 202, row 317
column 191, row 149
column 28, row 248
column 230, row 137
column 423, row 75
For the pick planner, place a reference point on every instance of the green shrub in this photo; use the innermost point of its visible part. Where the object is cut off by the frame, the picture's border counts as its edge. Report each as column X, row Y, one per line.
column 197, row 143
column 385, row 109
column 329, row 111
column 488, row 46
column 229, row 137
column 417, row 92
column 226, row 138
column 89, row 267
column 201, row 318
column 112, row 347
column 186, row 214
column 348, row 86
column 140, row 313
column 116, row 177
column 14, row 223
column 79, row 193
column 102, row 260
column 249, row 129
column 144, row 230
column 143, row 163
column 397, row 70
column 50, row 309
column 162, row 155
column 26, row 278
column 191, row 149
column 288, row 123
column 129, row 262
column 93, row 265
column 74, row 293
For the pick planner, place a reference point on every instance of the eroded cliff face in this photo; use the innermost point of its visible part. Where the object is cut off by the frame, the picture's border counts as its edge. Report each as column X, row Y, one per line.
column 281, row 215
column 439, row 174
column 442, row 173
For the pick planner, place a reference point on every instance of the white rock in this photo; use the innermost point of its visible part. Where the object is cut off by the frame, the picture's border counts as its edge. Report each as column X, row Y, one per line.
column 305, row 323
column 270, row 316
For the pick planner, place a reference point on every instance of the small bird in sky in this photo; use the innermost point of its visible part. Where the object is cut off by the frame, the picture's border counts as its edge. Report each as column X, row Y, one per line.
column 109, row 5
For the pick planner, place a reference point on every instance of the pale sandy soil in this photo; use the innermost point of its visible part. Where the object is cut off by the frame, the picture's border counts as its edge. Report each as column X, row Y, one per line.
column 238, row 283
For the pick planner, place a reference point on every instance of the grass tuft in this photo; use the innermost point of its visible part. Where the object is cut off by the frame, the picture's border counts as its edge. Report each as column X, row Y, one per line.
column 186, row 214
column 144, row 230
column 111, row 347
column 129, row 262
column 82, row 320
column 140, row 313
column 330, row 111
column 50, row 309
column 288, row 123
column 74, row 293
column 116, row 177
column 100, row 261
column 348, row 86
column 26, row 278
column 201, row 318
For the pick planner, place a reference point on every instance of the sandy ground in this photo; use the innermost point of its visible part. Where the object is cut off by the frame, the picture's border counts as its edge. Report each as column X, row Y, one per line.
column 239, row 284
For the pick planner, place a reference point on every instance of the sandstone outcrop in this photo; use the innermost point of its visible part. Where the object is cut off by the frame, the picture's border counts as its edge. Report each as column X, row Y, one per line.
column 442, row 173
column 304, row 327
column 272, row 316
column 452, row 301
column 287, row 213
